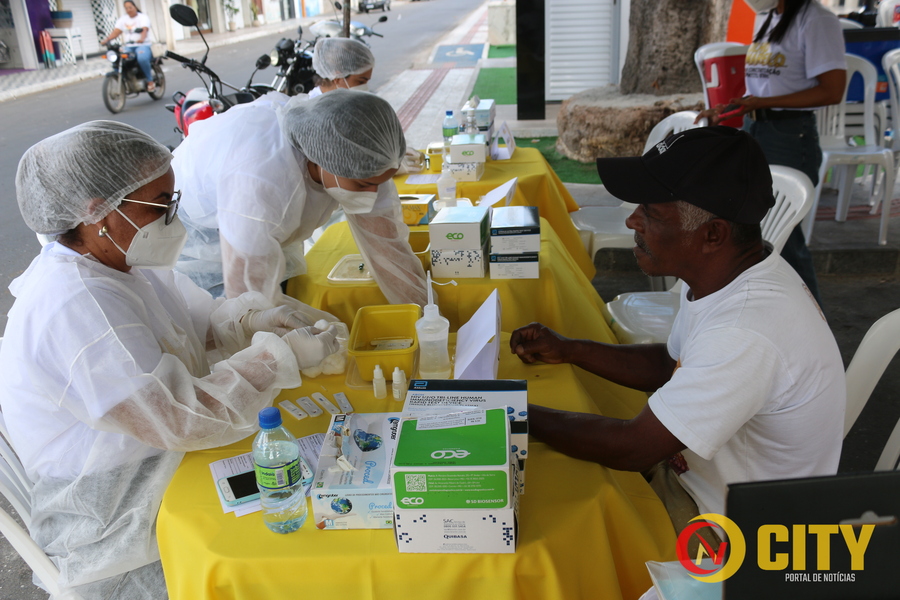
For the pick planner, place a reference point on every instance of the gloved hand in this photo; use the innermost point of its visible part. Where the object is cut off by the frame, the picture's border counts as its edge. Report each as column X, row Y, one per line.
column 279, row 320
column 310, row 345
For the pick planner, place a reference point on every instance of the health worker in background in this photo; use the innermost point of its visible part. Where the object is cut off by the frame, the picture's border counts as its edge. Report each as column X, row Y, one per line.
column 342, row 63
column 750, row 385
column 794, row 66
column 137, row 42
column 113, row 365
column 260, row 178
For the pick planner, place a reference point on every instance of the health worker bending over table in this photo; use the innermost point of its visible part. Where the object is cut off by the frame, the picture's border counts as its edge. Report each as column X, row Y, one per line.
column 750, row 385
column 109, row 370
column 342, row 63
column 260, row 178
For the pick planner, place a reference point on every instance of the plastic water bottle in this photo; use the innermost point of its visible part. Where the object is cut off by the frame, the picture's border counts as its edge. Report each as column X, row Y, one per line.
column 279, row 474
column 450, row 127
column 433, row 332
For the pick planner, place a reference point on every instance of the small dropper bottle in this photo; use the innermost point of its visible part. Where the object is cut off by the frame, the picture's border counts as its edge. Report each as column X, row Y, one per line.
column 398, row 385
column 379, row 386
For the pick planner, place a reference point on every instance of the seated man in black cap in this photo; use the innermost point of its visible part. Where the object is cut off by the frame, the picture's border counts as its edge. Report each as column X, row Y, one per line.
column 750, row 385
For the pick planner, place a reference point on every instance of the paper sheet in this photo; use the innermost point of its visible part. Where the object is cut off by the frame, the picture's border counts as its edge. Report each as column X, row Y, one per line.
column 478, row 343
column 310, row 447
column 504, row 133
column 504, row 193
column 422, row 179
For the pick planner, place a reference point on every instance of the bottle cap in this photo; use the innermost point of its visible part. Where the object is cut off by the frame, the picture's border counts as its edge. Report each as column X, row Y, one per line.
column 449, row 113
column 378, row 374
column 269, row 418
column 431, row 312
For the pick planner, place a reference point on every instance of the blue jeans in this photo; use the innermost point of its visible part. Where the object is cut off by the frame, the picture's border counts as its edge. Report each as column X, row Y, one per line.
column 793, row 143
column 144, row 57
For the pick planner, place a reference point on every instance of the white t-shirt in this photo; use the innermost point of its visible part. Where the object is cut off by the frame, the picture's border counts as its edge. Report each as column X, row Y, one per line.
column 127, row 26
column 759, row 391
column 812, row 45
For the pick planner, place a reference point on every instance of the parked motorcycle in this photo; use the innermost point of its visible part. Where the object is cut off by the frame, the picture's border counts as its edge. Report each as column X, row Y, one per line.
column 126, row 79
column 335, row 27
column 202, row 102
column 294, row 61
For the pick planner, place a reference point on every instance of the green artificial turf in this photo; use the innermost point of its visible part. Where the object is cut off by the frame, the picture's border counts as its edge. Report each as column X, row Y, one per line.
column 499, row 84
column 501, row 51
column 568, row 170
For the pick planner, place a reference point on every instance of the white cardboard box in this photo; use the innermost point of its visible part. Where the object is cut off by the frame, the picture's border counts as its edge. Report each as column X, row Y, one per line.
column 472, row 171
column 455, row 484
column 442, row 395
column 468, row 147
column 459, row 228
column 515, row 266
column 458, row 263
column 359, row 498
column 515, row 229
column 484, row 112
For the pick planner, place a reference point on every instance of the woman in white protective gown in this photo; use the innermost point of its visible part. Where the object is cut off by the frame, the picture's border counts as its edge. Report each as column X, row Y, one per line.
column 113, row 365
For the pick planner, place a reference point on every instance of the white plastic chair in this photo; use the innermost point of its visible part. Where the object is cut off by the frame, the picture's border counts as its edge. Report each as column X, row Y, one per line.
column 888, row 15
column 850, row 24
column 837, row 154
column 604, row 226
column 869, row 362
column 647, row 317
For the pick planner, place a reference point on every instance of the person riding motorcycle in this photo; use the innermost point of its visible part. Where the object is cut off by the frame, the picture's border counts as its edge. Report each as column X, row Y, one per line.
column 137, row 42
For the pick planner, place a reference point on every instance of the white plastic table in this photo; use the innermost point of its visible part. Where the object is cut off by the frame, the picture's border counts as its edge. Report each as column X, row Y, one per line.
column 65, row 37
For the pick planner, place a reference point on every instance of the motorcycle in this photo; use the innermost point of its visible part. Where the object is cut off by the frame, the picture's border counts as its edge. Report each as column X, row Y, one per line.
column 203, row 102
column 126, row 79
column 335, row 27
column 294, row 61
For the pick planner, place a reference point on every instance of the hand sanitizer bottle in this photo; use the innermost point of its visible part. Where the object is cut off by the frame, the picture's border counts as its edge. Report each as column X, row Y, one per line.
column 433, row 332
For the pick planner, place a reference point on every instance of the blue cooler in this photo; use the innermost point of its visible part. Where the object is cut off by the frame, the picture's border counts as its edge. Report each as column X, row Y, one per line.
column 871, row 43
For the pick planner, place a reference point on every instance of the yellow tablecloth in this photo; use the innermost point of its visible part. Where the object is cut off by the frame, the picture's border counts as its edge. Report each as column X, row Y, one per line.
column 562, row 298
column 585, row 531
column 538, row 185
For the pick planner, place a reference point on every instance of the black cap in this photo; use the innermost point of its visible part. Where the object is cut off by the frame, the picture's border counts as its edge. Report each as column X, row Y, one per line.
column 720, row 169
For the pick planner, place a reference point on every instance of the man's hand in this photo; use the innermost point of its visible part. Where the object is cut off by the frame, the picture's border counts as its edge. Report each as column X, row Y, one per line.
column 535, row 342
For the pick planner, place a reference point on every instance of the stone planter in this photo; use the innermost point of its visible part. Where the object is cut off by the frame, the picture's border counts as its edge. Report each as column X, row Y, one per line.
column 603, row 123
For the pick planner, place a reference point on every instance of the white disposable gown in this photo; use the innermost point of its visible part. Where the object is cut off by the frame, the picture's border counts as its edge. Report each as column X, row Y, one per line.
column 248, row 202
column 105, row 383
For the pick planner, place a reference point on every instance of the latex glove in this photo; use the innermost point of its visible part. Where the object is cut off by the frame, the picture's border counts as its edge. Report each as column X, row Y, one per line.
column 279, row 320
column 310, row 345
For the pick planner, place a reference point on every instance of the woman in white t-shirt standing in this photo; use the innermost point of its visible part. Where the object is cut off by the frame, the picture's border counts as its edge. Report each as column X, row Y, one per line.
column 138, row 42
column 794, row 65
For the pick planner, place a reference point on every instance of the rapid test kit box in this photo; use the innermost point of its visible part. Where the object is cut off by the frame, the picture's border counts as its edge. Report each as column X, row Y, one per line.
column 352, row 487
column 455, row 484
column 445, row 395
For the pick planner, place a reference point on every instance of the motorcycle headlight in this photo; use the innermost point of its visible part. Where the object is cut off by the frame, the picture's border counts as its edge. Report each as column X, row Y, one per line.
column 274, row 56
column 357, row 31
column 112, row 55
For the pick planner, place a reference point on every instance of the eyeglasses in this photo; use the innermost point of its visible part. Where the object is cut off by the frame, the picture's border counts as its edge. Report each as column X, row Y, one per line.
column 171, row 207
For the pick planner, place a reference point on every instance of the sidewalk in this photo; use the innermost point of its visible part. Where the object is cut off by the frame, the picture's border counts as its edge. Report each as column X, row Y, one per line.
column 16, row 85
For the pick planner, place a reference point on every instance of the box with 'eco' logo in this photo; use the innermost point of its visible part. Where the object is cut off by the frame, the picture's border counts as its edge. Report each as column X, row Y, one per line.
column 459, row 228
column 454, row 484
column 468, row 147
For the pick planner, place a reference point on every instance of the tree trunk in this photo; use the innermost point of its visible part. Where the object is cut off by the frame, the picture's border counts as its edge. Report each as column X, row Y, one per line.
column 662, row 37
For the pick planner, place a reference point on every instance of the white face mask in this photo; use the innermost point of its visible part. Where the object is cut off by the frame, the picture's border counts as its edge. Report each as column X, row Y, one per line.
column 155, row 245
column 353, row 203
column 363, row 87
column 761, row 6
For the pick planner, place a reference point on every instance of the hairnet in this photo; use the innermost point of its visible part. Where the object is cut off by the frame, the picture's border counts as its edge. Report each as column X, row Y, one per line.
column 349, row 134
column 60, row 177
column 340, row 57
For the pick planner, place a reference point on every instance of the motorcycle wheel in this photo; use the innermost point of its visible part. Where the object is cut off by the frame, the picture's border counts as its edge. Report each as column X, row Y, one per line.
column 160, row 90
column 114, row 94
